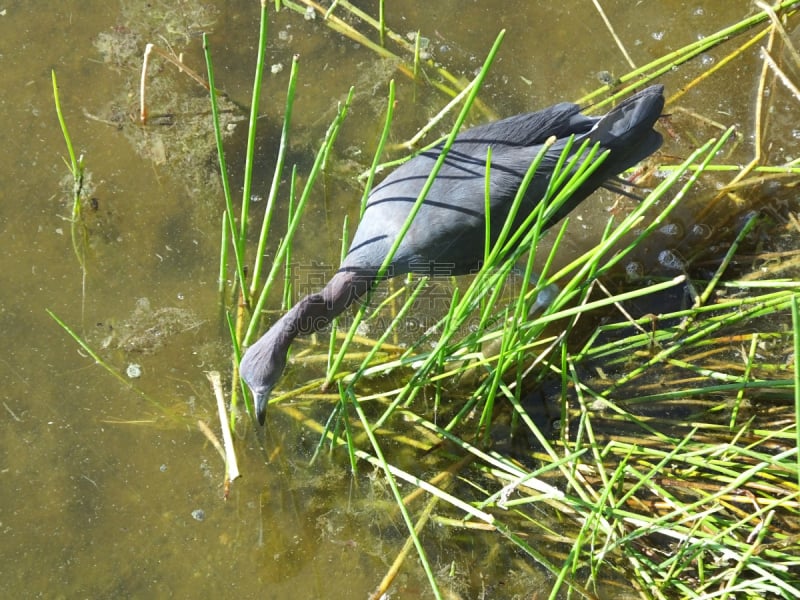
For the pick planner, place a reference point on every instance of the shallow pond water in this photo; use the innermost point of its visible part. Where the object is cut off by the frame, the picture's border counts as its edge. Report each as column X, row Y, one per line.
column 106, row 494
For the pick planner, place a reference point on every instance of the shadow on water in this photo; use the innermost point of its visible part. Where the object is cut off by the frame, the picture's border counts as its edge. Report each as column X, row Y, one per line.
column 105, row 495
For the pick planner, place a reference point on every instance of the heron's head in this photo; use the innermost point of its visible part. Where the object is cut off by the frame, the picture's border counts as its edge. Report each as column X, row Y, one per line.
column 261, row 368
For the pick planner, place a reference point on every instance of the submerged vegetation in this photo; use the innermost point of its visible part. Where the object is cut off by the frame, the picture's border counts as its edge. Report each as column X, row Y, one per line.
column 638, row 435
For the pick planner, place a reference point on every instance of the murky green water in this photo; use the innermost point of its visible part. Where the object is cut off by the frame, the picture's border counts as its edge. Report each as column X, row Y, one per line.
column 100, row 491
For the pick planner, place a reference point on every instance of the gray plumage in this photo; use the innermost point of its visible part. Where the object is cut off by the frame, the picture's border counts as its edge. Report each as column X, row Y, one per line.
column 448, row 234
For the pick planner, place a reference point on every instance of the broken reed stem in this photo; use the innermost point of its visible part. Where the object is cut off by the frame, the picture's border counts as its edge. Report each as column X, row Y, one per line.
column 143, row 84
column 177, row 61
column 231, row 466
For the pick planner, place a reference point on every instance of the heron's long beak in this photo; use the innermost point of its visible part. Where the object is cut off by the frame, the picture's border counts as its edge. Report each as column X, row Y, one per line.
column 260, row 400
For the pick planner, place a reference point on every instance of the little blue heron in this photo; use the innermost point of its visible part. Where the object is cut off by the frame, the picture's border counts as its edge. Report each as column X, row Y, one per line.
column 448, row 232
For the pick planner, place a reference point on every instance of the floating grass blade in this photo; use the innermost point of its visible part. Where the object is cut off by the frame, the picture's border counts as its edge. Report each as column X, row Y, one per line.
column 77, row 228
column 75, row 166
column 109, row 369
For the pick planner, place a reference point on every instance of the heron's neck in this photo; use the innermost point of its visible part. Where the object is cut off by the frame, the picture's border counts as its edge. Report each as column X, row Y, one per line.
column 316, row 311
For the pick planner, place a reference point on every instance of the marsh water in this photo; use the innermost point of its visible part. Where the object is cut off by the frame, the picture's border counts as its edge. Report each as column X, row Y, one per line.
column 103, row 494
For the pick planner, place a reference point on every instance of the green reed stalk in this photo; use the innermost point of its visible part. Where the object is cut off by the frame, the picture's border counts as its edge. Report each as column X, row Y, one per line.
column 251, row 131
column 229, row 212
column 387, row 128
column 283, row 146
column 796, row 345
column 223, row 254
column 286, row 242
